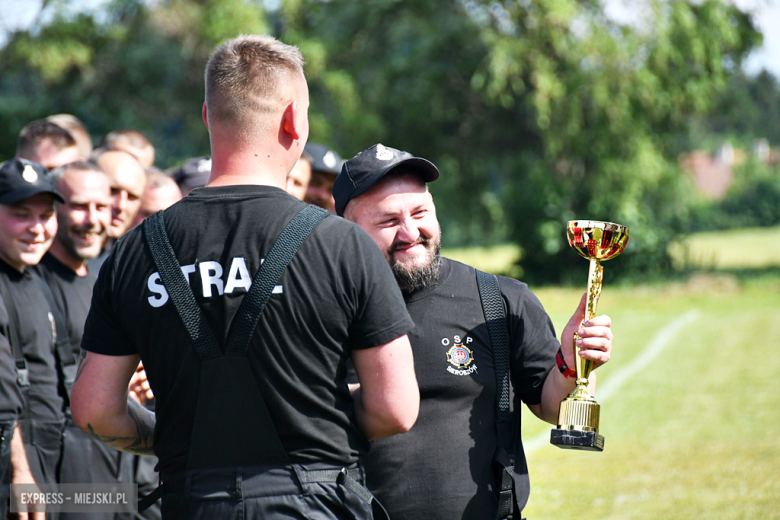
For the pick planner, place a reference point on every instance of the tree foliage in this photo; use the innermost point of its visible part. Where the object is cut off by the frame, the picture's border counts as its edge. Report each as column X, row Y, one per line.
column 535, row 111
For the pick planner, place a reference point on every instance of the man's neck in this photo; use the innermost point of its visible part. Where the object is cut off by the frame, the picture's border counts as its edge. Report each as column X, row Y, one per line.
column 260, row 165
column 77, row 265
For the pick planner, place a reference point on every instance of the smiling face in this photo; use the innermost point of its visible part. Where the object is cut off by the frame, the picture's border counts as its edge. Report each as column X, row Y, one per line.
column 27, row 229
column 399, row 214
column 83, row 218
column 128, row 180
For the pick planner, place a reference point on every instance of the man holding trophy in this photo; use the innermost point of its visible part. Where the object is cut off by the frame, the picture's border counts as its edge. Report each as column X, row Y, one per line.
column 464, row 457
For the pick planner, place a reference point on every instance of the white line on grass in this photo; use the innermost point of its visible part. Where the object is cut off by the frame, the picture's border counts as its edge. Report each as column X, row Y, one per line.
column 619, row 377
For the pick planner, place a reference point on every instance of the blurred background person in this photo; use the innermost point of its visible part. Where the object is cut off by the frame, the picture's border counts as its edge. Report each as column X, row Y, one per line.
column 47, row 144
column 133, row 142
column 161, row 191
column 325, row 166
column 77, row 129
column 298, row 179
column 194, row 173
column 28, row 225
column 128, row 181
column 83, row 221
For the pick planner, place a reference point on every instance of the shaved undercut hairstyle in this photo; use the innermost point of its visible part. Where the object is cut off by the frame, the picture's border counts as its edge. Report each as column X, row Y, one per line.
column 77, row 129
column 243, row 77
column 32, row 135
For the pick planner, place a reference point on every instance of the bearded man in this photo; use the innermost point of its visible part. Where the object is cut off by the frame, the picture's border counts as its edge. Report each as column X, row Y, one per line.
column 443, row 468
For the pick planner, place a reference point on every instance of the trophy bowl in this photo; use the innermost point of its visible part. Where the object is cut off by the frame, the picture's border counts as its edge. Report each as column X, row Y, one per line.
column 596, row 240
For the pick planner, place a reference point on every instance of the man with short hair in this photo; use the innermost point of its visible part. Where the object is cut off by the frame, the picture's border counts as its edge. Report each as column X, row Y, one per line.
column 160, row 193
column 83, row 221
column 77, row 129
column 27, row 227
column 444, row 468
column 264, row 426
column 325, row 166
column 128, row 181
column 133, row 142
column 47, row 143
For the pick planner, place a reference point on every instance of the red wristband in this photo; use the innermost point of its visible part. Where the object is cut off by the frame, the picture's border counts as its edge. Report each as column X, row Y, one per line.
column 563, row 367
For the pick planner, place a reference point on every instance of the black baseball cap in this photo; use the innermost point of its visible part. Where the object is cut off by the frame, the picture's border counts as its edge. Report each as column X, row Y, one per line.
column 20, row 179
column 322, row 158
column 194, row 173
column 366, row 168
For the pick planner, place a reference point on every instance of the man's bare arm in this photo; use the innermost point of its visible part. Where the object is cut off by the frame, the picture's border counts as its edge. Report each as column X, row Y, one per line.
column 595, row 344
column 387, row 400
column 101, row 407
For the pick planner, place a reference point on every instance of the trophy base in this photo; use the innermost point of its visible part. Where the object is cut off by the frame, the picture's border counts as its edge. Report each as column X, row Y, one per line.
column 577, row 440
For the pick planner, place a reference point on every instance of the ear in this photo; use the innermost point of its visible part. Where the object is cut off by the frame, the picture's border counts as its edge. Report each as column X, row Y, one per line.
column 205, row 116
column 289, row 120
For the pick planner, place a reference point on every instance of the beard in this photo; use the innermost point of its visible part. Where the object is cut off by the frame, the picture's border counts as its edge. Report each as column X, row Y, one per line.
column 411, row 279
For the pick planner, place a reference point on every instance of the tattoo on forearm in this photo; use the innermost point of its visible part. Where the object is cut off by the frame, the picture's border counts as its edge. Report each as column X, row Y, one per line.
column 141, row 443
column 83, row 361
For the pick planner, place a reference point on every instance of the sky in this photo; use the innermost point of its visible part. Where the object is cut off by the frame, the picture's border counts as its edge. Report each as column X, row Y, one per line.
column 766, row 15
column 20, row 14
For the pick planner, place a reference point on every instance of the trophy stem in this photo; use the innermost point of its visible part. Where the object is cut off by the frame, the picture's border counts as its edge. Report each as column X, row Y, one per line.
column 583, row 367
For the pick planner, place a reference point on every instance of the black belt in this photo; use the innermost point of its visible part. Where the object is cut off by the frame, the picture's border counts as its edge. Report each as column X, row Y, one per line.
column 265, row 480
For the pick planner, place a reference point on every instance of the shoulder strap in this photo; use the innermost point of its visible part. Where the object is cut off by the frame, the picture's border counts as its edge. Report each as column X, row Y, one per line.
column 495, row 317
column 20, row 363
column 203, row 338
column 270, row 271
column 498, row 332
column 66, row 361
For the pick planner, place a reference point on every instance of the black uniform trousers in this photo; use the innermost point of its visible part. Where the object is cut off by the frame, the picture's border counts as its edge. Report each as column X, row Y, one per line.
column 6, row 434
column 85, row 460
column 257, row 492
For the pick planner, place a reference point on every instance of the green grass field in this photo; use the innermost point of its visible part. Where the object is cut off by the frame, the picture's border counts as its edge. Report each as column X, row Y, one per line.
column 730, row 249
column 694, row 434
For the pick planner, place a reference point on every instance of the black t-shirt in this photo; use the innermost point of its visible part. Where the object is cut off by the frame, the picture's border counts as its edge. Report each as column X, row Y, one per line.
column 72, row 295
column 337, row 294
column 10, row 398
column 442, row 468
column 30, row 313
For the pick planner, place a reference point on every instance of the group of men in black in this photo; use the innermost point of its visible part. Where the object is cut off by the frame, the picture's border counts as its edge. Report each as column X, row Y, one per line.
column 302, row 364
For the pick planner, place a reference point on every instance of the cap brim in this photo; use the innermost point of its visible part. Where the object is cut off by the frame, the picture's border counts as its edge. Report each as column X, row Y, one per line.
column 19, row 195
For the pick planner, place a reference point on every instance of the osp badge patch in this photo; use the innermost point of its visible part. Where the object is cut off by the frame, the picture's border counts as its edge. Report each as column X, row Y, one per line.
column 461, row 357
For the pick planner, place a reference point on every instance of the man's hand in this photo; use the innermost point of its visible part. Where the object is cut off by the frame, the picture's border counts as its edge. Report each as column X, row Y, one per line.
column 139, row 386
column 595, row 341
column 21, row 474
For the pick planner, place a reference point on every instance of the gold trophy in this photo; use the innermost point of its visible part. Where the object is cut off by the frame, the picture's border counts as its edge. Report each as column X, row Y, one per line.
column 578, row 418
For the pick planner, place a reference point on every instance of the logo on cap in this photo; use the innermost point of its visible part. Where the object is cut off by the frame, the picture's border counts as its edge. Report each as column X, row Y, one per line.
column 329, row 159
column 29, row 174
column 383, row 154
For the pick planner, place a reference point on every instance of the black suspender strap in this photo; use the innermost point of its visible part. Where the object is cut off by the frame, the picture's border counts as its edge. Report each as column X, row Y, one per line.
column 20, row 363
column 66, row 361
column 270, row 271
column 203, row 338
column 498, row 332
